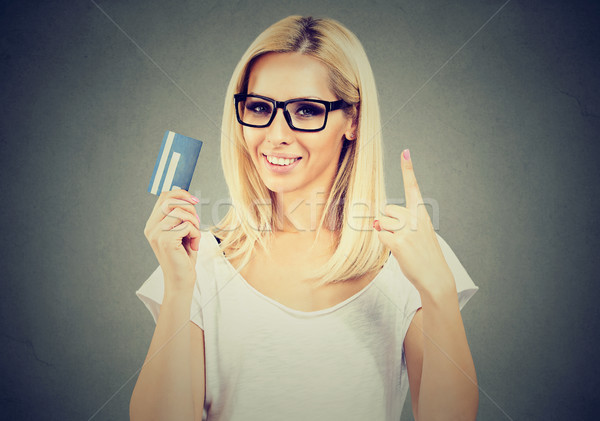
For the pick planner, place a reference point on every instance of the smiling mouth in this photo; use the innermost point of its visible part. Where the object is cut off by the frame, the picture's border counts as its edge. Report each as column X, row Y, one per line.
column 281, row 161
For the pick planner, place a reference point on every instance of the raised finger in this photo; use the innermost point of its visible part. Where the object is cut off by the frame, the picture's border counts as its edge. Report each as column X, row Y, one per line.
column 411, row 188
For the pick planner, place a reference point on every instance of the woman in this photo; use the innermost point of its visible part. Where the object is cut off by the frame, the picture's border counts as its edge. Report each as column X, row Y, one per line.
column 299, row 304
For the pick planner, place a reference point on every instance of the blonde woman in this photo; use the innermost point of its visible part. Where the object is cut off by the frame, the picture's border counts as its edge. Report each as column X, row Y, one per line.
column 311, row 299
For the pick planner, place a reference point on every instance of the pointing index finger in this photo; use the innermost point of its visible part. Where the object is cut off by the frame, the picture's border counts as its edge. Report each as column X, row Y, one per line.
column 411, row 188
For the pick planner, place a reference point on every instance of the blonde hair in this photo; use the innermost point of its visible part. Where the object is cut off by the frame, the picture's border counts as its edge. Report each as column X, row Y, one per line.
column 358, row 190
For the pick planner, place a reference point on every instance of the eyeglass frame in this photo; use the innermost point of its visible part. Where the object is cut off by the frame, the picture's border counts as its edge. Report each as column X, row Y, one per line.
column 329, row 106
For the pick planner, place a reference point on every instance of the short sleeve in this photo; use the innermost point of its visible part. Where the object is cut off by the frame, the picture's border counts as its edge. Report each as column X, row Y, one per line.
column 151, row 293
column 464, row 284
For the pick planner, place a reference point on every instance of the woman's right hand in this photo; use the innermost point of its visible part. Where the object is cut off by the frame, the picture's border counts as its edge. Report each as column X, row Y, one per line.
column 173, row 231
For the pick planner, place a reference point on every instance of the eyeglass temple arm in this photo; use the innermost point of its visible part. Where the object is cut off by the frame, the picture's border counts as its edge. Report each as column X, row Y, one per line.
column 336, row 105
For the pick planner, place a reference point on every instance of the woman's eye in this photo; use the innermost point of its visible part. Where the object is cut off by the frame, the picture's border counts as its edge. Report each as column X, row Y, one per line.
column 308, row 110
column 258, row 107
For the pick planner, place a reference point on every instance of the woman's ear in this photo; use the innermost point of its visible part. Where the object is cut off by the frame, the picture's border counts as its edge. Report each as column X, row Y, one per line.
column 351, row 132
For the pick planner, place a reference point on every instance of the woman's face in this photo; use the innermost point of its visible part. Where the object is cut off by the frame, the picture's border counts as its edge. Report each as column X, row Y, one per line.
column 284, row 76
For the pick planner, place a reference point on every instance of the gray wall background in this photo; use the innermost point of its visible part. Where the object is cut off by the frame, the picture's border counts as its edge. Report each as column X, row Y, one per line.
column 504, row 137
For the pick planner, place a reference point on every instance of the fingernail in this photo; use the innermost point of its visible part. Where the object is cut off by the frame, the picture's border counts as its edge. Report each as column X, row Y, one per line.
column 195, row 199
column 197, row 217
column 406, row 154
column 376, row 225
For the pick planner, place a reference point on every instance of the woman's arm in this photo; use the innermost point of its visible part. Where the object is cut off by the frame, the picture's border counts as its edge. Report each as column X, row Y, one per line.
column 443, row 383
column 439, row 361
column 171, row 384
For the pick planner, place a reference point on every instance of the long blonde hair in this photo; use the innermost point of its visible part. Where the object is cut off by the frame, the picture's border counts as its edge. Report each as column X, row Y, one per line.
column 358, row 190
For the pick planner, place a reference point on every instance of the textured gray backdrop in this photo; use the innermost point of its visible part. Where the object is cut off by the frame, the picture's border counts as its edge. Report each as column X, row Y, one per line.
column 504, row 137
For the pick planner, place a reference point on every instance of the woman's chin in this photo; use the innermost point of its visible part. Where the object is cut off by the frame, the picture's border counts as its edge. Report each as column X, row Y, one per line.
column 278, row 186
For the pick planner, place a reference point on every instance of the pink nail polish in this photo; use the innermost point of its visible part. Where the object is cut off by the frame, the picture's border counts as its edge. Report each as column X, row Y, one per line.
column 197, row 217
column 195, row 199
column 406, row 154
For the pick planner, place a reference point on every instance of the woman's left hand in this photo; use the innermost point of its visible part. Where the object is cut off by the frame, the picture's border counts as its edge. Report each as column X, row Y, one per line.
column 409, row 234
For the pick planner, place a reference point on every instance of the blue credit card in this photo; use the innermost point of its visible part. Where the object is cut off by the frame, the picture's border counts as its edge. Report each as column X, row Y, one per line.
column 175, row 164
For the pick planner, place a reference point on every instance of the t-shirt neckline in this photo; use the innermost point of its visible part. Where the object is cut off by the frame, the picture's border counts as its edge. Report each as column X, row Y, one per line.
column 290, row 310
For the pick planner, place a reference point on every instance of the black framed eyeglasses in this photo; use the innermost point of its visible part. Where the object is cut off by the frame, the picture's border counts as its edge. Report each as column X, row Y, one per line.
column 305, row 115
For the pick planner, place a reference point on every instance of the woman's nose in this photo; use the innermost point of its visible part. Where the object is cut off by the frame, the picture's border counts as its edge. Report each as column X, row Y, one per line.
column 279, row 131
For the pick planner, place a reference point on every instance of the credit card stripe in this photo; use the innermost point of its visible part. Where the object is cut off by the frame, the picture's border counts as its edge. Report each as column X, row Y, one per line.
column 163, row 160
column 171, row 171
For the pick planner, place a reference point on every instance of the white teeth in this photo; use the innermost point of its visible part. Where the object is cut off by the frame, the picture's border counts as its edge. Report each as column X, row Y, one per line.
column 280, row 161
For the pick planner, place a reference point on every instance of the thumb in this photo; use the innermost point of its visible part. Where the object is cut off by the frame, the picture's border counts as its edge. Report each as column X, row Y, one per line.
column 195, row 243
column 190, row 238
column 191, row 247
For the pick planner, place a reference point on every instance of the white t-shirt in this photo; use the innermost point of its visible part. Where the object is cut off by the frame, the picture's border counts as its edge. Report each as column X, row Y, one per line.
column 265, row 361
